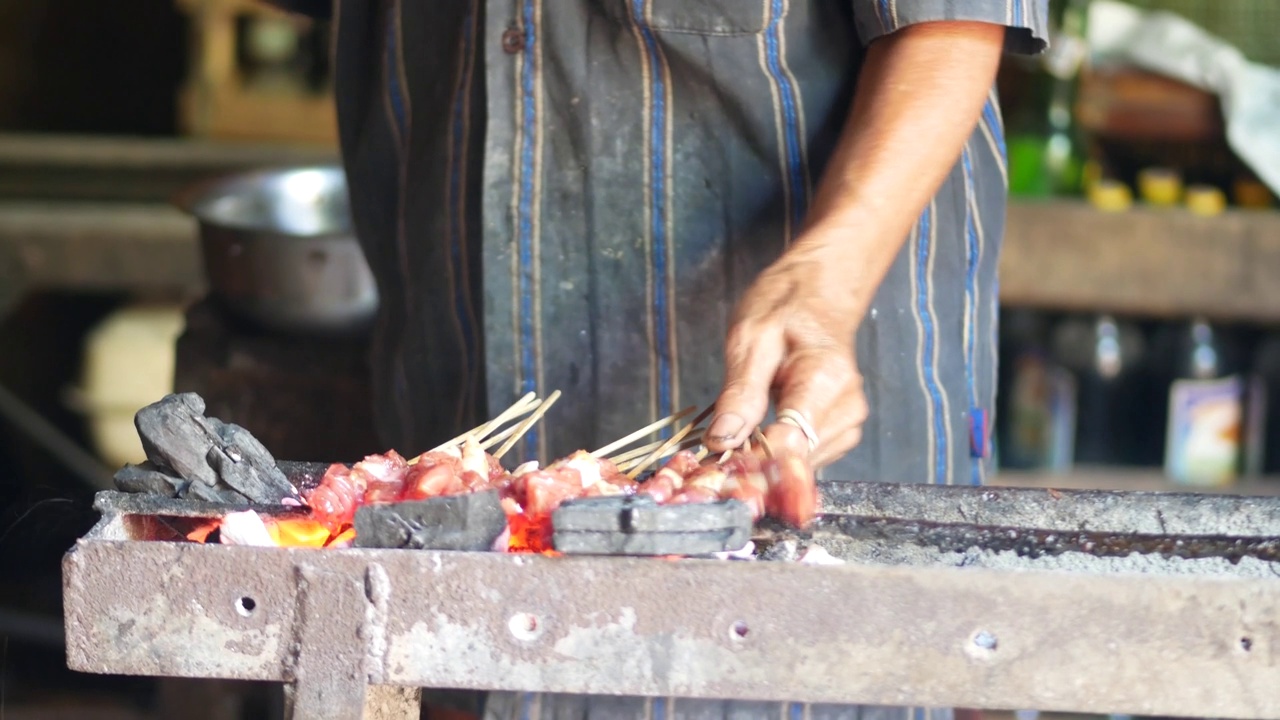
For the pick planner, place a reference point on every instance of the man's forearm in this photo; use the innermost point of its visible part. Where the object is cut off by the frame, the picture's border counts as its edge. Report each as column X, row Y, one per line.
column 918, row 99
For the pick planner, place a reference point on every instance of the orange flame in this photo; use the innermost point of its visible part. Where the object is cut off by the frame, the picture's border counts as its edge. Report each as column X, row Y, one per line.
column 343, row 539
column 298, row 532
column 201, row 533
column 530, row 534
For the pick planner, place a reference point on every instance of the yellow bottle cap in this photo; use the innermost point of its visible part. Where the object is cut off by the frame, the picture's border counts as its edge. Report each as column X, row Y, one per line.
column 1206, row 200
column 1159, row 186
column 1110, row 196
column 1252, row 194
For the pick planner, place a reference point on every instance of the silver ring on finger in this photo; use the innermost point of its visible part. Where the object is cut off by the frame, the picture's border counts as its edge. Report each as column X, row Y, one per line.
column 796, row 419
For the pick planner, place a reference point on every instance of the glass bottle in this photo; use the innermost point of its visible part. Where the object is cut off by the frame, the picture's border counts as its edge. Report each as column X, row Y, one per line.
column 1204, row 411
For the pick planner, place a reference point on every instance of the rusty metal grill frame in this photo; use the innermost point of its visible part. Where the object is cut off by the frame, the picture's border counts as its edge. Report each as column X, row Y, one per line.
column 334, row 622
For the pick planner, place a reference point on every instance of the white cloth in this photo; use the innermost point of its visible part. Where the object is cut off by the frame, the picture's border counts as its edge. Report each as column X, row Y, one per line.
column 1167, row 44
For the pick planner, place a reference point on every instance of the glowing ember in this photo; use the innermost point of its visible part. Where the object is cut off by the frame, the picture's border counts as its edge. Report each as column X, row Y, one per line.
column 529, row 533
column 343, row 539
column 201, row 533
column 300, row 532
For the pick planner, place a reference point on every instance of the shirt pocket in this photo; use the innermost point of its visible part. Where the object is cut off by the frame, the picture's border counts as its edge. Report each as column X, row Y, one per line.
column 695, row 17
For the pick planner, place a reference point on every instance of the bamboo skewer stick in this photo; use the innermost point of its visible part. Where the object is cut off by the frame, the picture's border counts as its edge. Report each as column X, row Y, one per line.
column 764, row 443
column 526, row 424
column 637, row 457
column 641, row 451
column 499, row 437
column 523, row 406
column 676, row 438
column 520, row 407
column 635, row 453
column 646, row 430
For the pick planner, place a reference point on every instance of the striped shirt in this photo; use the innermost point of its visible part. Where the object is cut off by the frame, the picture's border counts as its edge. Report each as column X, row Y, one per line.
column 571, row 194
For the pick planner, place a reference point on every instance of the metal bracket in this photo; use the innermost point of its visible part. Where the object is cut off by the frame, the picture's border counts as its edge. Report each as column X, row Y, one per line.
column 338, row 645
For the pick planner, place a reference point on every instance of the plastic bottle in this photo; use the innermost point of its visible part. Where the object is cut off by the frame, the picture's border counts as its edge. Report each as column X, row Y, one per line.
column 1204, row 414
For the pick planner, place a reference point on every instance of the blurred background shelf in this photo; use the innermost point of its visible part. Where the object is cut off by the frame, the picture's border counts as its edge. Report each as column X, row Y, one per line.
column 57, row 166
column 1059, row 254
column 1155, row 262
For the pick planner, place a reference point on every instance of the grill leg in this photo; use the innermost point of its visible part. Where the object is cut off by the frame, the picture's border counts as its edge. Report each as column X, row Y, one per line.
column 335, row 619
column 306, row 701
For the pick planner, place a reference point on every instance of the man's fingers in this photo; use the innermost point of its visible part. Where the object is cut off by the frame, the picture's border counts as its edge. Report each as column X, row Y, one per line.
column 787, row 438
column 825, row 391
column 836, row 447
column 753, row 354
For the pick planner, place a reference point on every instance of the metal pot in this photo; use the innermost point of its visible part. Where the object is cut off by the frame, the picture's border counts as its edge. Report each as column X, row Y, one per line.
column 279, row 250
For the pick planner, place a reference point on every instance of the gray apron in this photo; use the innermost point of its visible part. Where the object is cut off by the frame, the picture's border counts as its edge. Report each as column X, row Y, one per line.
column 571, row 194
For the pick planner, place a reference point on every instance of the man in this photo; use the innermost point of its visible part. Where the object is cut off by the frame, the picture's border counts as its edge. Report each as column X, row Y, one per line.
column 577, row 194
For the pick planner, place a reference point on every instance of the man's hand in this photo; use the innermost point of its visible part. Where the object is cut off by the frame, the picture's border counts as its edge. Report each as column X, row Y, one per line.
column 792, row 341
column 917, row 102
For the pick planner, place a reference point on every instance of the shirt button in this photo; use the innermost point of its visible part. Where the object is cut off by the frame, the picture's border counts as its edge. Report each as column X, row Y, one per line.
column 512, row 41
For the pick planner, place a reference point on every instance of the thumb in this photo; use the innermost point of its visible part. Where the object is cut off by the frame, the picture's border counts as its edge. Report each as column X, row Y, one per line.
column 753, row 355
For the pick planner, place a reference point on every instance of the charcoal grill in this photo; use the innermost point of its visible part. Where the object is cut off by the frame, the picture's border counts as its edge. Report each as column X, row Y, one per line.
column 1139, row 603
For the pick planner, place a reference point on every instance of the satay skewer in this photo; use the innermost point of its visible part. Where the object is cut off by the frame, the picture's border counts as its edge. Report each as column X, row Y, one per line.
column 517, row 409
column 521, row 407
column 527, row 424
column 642, row 432
column 764, row 443
column 626, row 461
column 499, row 437
column 672, row 442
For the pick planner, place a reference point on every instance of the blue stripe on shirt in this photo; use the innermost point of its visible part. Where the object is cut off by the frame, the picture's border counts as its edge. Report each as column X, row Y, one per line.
column 658, row 206
column 971, row 309
column 926, row 319
column 529, row 120
column 791, row 125
column 886, row 16
column 993, row 122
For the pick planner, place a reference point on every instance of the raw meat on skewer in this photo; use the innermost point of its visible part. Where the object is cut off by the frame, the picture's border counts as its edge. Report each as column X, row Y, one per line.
column 765, row 483
column 460, row 466
column 342, row 490
column 535, row 492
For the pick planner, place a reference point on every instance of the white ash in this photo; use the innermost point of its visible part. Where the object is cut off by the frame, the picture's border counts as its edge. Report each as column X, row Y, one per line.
column 818, row 555
column 885, row 553
column 244, row 528
column 746, row 552
column 503, row 542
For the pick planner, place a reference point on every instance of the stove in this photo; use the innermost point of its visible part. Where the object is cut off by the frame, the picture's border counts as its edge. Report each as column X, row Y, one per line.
column 1139, row 603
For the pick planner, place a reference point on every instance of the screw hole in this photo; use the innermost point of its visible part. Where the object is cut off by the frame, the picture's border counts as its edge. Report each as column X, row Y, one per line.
column 525, row 626
column 1246, row 644
column 985, row 640
column 739, row 629
column 245, row 606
